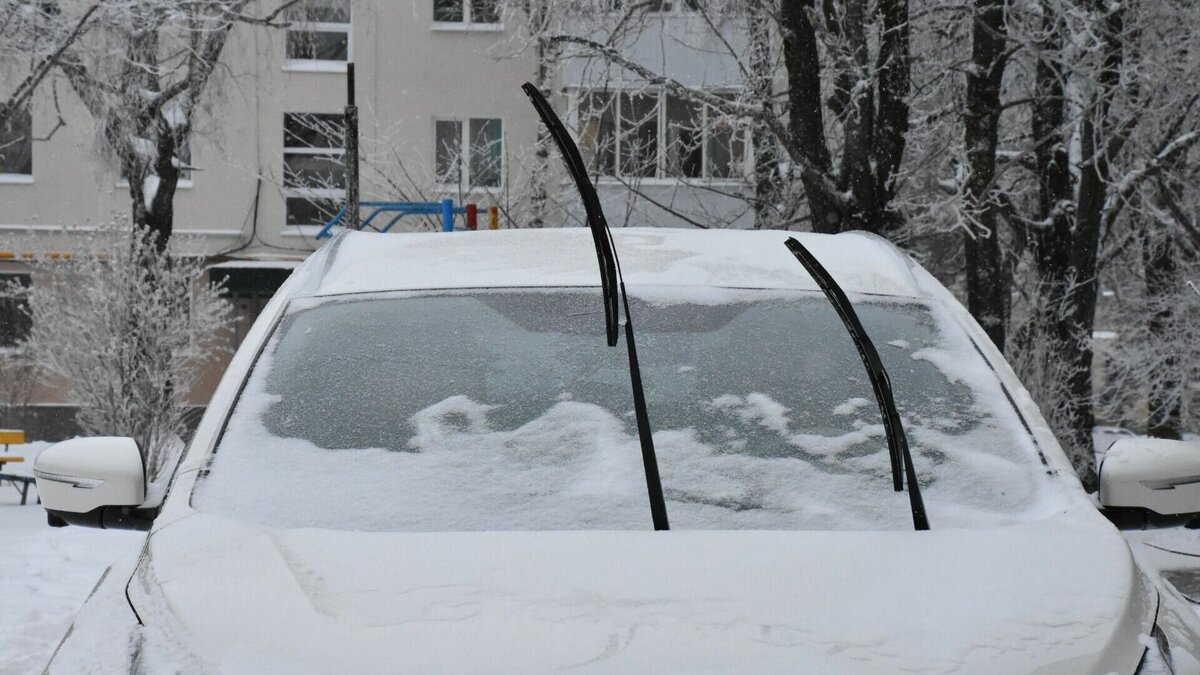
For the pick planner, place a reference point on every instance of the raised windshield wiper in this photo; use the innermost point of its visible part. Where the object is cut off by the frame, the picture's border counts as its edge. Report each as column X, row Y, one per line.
column 880, row 382
column 611, row 281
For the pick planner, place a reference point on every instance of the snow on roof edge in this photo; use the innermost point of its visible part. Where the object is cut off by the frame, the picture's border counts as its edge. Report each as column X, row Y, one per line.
column 359, row 262
column 260, row 264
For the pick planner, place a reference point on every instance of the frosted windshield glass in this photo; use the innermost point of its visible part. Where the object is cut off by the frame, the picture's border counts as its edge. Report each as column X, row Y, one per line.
column 505, row 410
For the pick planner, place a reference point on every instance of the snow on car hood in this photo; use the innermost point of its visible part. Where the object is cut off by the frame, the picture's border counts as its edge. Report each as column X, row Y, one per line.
column 1036, row 598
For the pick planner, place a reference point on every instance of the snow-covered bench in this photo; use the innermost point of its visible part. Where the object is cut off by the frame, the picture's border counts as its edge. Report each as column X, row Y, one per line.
column 19, row 481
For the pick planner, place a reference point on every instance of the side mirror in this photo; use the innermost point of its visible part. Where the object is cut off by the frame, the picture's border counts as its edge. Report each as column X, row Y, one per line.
column 93, row 482
column 1151, row 473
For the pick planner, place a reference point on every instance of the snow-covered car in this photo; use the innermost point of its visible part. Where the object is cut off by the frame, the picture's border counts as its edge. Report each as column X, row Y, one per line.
column 425, row 458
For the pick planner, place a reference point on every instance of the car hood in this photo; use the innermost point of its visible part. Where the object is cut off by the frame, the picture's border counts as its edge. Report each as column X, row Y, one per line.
column 221, row 596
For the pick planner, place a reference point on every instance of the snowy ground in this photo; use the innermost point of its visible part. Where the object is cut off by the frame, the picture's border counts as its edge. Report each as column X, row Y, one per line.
column 47, row 573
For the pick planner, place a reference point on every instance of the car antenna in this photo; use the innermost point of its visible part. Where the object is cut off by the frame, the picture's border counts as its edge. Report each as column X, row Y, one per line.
column 611, row 281
column 880, row 382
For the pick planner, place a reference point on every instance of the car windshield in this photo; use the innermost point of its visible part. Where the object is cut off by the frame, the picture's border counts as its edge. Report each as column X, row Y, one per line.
column 505, row 410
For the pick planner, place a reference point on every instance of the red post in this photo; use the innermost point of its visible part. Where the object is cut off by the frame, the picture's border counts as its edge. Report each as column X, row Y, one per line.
column 472, row 216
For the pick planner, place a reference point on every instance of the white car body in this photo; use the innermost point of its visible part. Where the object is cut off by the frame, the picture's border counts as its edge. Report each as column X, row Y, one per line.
column 1057, row 593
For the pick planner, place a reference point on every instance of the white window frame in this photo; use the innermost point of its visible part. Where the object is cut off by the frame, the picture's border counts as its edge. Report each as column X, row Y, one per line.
column 660, row 173
column 464, row 184
column 468, row 23
column 321, row 65
column 338, row 194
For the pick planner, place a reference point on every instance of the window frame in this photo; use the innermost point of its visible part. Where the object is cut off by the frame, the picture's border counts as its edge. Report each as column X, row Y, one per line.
column 309, row 193
column 468, row 22
column 16, row 305
column 464, row 184
column 22, row 178
column 321, row 65
column 661, row 175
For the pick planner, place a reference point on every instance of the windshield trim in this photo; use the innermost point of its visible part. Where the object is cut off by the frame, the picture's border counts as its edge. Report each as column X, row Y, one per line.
column 898, row 299
column 227, row 414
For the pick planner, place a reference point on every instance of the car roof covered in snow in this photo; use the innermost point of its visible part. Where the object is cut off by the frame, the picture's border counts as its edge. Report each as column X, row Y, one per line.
column 357, row 262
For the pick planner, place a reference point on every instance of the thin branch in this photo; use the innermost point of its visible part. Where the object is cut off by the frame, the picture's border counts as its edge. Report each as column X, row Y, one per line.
column 268, row 20
column 24, row 91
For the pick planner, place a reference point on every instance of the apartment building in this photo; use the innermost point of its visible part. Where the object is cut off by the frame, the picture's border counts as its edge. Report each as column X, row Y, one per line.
column 441, row 114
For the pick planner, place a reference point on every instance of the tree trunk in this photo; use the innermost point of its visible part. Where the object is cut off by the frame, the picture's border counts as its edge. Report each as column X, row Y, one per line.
column 150, row 158
column 858, row 174
column 152, row 187
column 987, row 281
column 894, row 65
column 1051, row 242
column 766, row 158
column 805, row 116
column 870, row 99
column 1165, row 405
column 1092, row 196
column 1067, row 240
column 545, row 56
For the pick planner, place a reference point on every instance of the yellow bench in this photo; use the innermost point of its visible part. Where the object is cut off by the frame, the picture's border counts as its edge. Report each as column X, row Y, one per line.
column 21, row 483
column 11, row 437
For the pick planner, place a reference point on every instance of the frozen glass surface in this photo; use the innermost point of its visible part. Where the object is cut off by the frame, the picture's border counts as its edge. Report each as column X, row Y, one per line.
column 506, row 410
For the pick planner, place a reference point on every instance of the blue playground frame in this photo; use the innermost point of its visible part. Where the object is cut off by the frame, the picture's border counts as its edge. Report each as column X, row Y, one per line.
column 445, row 208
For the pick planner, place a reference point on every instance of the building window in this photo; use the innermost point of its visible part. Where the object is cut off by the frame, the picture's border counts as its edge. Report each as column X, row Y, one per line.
column 659, row 6
column 249, row 289
column 656, row 135
column 16, row 145
column 319, row 34
column 14, row 310
column 469, row 154
column 485, row 12
column 314, row 176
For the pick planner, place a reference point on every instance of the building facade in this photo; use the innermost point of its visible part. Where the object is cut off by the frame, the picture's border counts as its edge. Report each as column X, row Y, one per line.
column 442, row 116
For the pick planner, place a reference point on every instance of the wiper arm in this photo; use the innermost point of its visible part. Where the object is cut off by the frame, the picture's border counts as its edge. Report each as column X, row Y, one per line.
column 880, row 382
column 611, row 281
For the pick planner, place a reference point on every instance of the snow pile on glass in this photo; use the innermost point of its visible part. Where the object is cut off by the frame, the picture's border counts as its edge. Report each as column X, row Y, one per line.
column 504, row 410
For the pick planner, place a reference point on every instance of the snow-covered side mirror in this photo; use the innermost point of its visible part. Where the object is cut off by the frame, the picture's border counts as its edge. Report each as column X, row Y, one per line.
column 93, row 482
column 1151, row 473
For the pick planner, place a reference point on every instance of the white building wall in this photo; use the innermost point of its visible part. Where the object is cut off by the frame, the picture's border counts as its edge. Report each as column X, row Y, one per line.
column 410, row 73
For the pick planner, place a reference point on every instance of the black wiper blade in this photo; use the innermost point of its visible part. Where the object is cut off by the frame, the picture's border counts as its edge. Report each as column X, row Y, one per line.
column 611, row 282
column 880, row 382
column 605, row 254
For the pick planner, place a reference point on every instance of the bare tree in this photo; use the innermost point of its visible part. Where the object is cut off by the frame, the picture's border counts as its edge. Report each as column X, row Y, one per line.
column 141, row 73
column 1105, row 120
column 868, row 101
column 127, row 329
